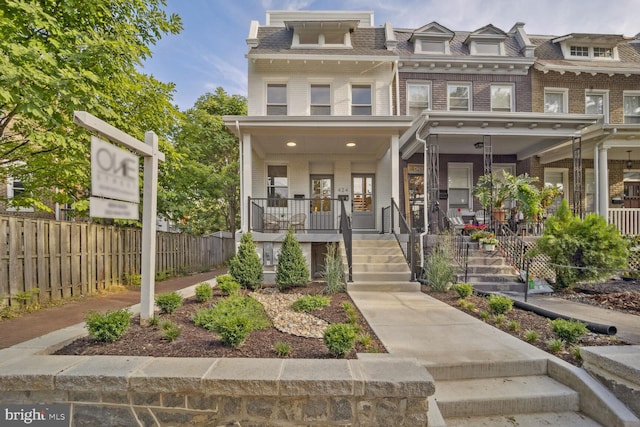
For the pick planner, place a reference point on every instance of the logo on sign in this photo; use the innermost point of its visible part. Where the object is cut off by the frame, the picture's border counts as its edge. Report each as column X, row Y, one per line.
column 114, row 172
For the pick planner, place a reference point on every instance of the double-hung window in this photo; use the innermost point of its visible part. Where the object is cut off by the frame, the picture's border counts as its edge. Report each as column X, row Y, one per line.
column 631, row 107
column 277, row 185
column 277, row 99
column 361, row 100
column 556, row 100
column 459, row 96
column 15, row 189
column 418, row 98
column 320, row 104
column 597, row 102
column 502, row 97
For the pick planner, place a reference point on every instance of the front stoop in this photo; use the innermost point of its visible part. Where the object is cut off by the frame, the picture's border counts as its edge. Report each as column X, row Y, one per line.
column 379, row 265
column 489, row 272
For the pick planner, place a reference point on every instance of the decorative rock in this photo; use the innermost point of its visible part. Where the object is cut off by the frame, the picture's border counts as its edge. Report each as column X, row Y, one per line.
column 285, row 319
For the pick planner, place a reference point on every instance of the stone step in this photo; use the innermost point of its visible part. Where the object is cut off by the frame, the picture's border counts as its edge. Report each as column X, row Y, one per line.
column 374, row 244
column 490, row 269
column 518, row 287
column 481, row 278
column 384, row 267
column 488, row 369
column 361, row 258
column 392, row 251
column 483, row 260
column 389, row 276
column 504, row 396
column 383, row 286
column 564, row 419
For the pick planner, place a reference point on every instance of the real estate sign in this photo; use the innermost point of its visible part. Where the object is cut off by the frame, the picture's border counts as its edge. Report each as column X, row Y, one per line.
column 114, row 172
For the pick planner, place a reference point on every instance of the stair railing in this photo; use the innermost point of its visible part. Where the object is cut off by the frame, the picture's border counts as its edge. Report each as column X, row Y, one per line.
column 406, row 238
column 347, row 236
column 461, row 253
column 513, row 247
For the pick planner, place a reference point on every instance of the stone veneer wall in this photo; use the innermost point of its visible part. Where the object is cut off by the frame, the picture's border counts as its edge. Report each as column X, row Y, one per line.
column 144, row 391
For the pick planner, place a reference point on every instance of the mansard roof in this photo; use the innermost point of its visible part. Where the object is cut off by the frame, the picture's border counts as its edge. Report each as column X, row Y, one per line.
column 457, row 44
column 488, row 32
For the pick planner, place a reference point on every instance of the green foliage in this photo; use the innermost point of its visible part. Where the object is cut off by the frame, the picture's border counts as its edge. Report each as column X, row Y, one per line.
column 245, row 267
column 154, row 321
column 109, row 326
column 484, row 315
column 227, row 285
column 531, row 336
column 282, row 349
column 233, row 319
column 471, row 306
column 170, row 331
column 351, row 312
column 292, row 267
column 340, row 338
column 499, row 304
column 365, row 340
column 309, row 303
column 582, row 250
column 132, row 280
column 568, row 330
column 499, row 319
column 58, row 57
column 25, row 297
column 464, row 290
column 204, row 292
column 169, row 302
column 438, row 268
column 514, row 325
column 555, row 345
column 333, row 270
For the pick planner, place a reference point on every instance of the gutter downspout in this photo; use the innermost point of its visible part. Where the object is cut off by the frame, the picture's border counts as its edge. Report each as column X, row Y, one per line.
column 397, row 77
column 426, row 189
column 242, row 229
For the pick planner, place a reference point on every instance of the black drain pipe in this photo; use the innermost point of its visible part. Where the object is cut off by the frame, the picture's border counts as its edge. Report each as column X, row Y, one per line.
column 598, row 328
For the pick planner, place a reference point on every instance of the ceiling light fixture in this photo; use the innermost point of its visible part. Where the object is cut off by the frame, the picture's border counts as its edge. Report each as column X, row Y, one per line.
column 479, row 144
column 629, row 162
column 291, row 144
column 351, row 144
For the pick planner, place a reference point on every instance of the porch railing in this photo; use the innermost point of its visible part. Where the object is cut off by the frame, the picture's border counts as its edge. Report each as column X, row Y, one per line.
column 627, row 220
column 277, row 215
column 406, row 238
column 347, row 237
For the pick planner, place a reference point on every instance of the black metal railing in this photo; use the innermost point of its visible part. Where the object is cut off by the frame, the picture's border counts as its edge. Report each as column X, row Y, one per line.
column 461, row 253
column 276, row 215
column 513, row 247
column 406, row 238
column 347, row 237
column 386, row 219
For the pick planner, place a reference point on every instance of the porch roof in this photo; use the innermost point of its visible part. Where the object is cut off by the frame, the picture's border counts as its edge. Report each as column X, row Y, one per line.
column 319, row 134
column 523, row 134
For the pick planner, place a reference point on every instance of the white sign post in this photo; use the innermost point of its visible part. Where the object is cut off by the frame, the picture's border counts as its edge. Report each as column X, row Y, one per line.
column 148, row 149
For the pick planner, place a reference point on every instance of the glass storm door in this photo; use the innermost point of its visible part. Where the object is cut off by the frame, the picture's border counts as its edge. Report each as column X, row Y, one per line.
column 363, row 205
column 321, row 215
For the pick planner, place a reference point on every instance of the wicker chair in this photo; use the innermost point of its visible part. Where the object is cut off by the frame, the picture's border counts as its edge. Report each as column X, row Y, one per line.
column 270, row 223
column 297, row 221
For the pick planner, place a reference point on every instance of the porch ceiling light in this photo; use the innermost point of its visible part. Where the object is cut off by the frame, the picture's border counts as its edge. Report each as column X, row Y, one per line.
column 629, row 162
column 291, row 144
column 479, row 145
column 350, row 144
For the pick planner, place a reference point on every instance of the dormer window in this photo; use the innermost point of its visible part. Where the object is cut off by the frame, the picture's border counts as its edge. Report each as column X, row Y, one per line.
column 588, row 47
column 487, row 41
column 431, row 47
column 602, row 52
column 487, row 48
column 432, row 39
column 322, row 34
column 579, row 51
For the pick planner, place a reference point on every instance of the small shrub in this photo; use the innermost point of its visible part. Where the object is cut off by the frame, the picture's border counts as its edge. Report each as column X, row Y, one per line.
column 555, row 345
column 365, row 340
column 109, row 326
column 514, row 325
column 499, row 304
column 292, row 267
column 228, row 285
column 340, row 338
column 204, row 292
column 233, row 329
column 170, row 331
column 484, row 315
column 282, row 349
column 169, row 302
column 462, row 303
column 351, row 312
column 471, row 306
column 438, row 270
column 464, row 290
column 531, row 336
column 333, row 270
column 154, row 321
column 568, row 330
column 575, row 352
column 245, row 267
column 132, row 280
column 499, row 319
column 309, row 303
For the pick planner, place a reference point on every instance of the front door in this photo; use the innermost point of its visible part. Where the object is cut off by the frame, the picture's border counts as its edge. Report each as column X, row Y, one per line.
column 363, row 205
column 631, row 195
column 321, row 215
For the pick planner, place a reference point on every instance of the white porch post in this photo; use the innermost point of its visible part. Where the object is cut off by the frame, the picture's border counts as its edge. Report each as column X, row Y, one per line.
column 395, row 173
column 246, row 189
column 602, row 179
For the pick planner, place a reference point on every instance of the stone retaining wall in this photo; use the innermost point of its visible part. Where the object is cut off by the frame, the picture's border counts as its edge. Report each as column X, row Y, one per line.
column 144, row 391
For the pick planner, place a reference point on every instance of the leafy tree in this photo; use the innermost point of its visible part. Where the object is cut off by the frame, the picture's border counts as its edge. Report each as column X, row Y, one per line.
column 292, row 267
column 245, row 267
column 571, row 242
column 61, row 56
column 205, row 190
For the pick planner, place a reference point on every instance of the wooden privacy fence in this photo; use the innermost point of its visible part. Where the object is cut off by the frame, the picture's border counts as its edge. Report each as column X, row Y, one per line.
column 65, row 259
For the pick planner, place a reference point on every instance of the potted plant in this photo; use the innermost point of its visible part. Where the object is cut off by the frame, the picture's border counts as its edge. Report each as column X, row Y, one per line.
column 492, row 193
column 526, row 195
column 489, row 243
column 548, row 195
column 480, row 234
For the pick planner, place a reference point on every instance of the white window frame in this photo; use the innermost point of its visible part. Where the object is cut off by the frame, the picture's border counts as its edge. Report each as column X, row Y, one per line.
column 372, row 103
column 565, row 180
column 497, row 44
column 589, row 190
column 321, row 41
column 610, row 49
column 565, row 98
column 311, row 104
column 584, row 49
column 275, row 104
column 418, row 83
column 590, row 56
column 624, row 113
column 267, row 186
column 605, row 101
column 469, row 87
column 11, row 195
column 469, row 168
column 420, row 45
column 511, row 86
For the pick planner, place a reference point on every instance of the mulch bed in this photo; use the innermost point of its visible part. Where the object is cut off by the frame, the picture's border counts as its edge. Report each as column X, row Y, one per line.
column 199, row 342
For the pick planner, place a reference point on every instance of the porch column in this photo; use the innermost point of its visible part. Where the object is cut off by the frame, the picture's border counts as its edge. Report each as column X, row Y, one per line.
column 602, row 179
column 246, row 189
column 395, row 174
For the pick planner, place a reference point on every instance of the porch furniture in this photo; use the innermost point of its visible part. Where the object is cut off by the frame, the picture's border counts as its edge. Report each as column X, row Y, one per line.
column 297, row 221
column 270, row 223
column 481, row 217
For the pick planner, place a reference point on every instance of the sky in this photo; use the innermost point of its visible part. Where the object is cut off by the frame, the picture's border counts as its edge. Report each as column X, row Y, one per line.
column 210, row 50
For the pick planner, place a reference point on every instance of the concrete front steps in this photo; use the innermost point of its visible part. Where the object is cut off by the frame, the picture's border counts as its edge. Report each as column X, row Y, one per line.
column 508, row 393
column 489, row 272
column 379, row 265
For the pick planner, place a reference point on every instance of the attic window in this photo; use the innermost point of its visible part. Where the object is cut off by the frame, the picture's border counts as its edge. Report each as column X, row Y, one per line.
column 602, row 52
column 425, row 46
column 579, row 51
column 487, row 48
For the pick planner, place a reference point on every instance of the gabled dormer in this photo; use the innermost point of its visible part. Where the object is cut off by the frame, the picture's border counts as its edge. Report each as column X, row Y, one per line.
column 588, row 47
column 325, row 34
column 487, row 41
column 432, row 39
